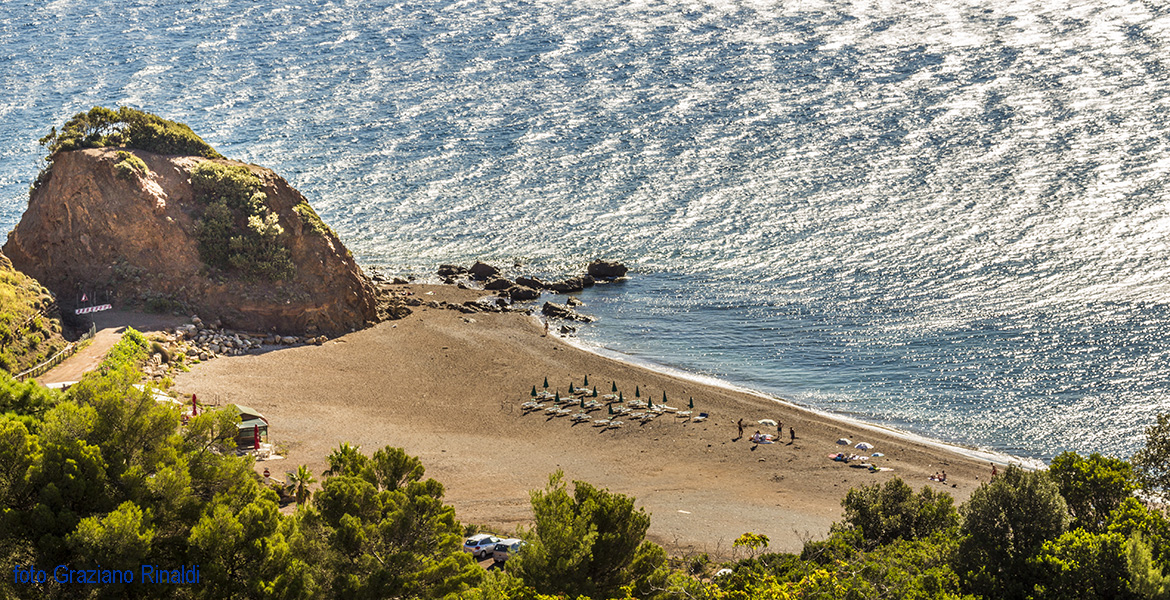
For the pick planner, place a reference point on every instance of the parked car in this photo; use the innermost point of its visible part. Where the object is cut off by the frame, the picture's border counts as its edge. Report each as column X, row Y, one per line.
column 480, row 545
column 506, row 548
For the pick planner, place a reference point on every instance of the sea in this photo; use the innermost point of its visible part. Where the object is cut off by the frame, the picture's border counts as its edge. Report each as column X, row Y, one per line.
column 949, row 217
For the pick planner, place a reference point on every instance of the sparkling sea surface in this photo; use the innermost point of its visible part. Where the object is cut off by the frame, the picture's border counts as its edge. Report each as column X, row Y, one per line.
column 950, row 217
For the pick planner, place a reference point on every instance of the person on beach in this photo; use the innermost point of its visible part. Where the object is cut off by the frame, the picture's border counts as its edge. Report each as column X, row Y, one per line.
column 943, row 479
column 994, row 471
column 791, row 435
column 779, row 431
column 740, row 429
column 546, row 328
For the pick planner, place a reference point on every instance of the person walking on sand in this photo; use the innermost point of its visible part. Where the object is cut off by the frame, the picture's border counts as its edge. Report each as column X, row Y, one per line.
column 994, row 471
column 546, row 328
column 740, row 429
column 792, row 435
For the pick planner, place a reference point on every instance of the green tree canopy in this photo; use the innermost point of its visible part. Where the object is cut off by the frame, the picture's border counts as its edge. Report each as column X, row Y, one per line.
column 584, row 543
column 1093, row 487
column 1005, row 524
column 884, row 513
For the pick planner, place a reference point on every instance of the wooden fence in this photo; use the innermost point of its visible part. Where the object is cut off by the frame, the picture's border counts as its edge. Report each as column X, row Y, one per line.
column 57, row 358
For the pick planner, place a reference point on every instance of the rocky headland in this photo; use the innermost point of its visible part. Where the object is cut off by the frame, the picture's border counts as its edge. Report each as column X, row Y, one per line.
column 133, row 235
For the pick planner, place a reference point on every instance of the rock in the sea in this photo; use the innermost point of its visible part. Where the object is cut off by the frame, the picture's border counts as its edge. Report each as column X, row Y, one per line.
column 451, row 270
column 574, row 301
column 566, row 330
column 498, row 283
column 560, row 311
column 531, row 282
column 604, row 269
column 572, row 284
column 521, row 292
column 483, row 271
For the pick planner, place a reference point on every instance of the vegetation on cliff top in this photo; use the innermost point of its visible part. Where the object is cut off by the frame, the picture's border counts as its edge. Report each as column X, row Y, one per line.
column 126, row 127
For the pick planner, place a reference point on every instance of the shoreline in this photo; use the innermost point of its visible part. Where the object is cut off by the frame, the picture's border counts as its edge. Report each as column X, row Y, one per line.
column 447, row 387
column 1000, row 458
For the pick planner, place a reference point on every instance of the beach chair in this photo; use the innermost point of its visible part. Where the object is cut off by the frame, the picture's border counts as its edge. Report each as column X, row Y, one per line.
column 616, row 424
column 601, row 423
column 581, row 417
column 702, row 417
column 686, row 414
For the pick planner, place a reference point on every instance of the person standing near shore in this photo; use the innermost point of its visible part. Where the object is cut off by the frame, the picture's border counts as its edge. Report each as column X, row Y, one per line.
column 740, row 429
column 792, row 435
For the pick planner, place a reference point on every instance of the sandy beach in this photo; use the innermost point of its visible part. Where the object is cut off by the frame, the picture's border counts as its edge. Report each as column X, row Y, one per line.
column 448, row 386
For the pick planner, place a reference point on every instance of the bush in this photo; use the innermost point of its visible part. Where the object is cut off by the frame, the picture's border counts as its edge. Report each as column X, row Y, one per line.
column 237, row 232
column 313, row 220
column 130, row 166
column 885, row 513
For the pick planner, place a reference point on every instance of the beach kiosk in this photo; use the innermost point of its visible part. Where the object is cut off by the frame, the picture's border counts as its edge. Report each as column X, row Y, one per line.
column 252, row 429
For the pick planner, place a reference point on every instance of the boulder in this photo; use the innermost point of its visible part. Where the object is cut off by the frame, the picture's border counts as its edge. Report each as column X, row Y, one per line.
column 522, row 292
column 483, row 271
column 450, row 270
column 560, row 311
column 604, row 269
column 572, row 284
column 531, row 282
column 574, row 301
column 498, row 283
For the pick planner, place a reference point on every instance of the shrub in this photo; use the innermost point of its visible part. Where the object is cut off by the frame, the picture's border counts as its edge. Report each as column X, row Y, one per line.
column 313, row 220
column 129, row 166
column 237, row 232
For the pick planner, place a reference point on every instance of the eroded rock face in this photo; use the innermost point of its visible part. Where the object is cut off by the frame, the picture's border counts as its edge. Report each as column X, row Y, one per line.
column 86, row 229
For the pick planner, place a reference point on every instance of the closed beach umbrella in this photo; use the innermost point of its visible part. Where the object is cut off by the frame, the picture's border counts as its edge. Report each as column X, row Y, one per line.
column 844, row 442
column 571, row 388
column 546, row 383
column 664, row 397
column 611, row 409
column 864, row 446
column 586, row 384
column 621, row 397
column 194, row 407
column 614, row 390
column 692, row 404
column 256, row 436
column 558, row 398
column 594, row 391
column 534, row 391
column 582, row 401
column 637, row 392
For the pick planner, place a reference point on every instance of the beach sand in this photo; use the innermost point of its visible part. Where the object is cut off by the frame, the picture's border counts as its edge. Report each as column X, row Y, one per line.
column 447, row 387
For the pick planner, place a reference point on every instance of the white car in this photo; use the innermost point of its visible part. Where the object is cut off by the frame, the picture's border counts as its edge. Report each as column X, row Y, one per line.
column 506, row 548
column 481, row 544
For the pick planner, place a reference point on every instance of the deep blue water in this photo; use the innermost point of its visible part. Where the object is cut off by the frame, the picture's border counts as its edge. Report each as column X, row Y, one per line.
column 946, row 216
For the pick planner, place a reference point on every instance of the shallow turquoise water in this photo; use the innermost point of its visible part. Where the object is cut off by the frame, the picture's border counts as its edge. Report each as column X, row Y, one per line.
column 946, row 216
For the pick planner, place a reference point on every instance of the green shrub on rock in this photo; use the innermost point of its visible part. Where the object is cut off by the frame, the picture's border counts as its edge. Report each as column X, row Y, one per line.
column 128, row 127
column 237, row 232
column 130, row 166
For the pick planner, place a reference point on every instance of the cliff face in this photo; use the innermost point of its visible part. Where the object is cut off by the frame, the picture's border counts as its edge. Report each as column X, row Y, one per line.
column 134, row 238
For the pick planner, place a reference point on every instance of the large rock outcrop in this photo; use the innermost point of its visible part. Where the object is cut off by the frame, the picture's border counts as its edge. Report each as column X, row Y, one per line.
column 134, row 238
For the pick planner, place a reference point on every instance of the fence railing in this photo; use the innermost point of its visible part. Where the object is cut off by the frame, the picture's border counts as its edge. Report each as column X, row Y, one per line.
column 59, row 357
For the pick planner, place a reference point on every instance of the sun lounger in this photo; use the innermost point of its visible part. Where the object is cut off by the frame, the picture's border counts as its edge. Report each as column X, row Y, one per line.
column 610, row 397
column 551, row 409
column 702, row 417
column 601, row 423
column 581, row 417
column 683, row 413
column 564, row 412
column 616, row 424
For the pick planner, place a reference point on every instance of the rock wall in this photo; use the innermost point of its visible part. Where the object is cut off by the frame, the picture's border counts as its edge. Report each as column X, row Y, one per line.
column 86, row 229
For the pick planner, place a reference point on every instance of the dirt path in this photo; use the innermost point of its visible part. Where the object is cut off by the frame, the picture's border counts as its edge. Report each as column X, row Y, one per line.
column 110, row 326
